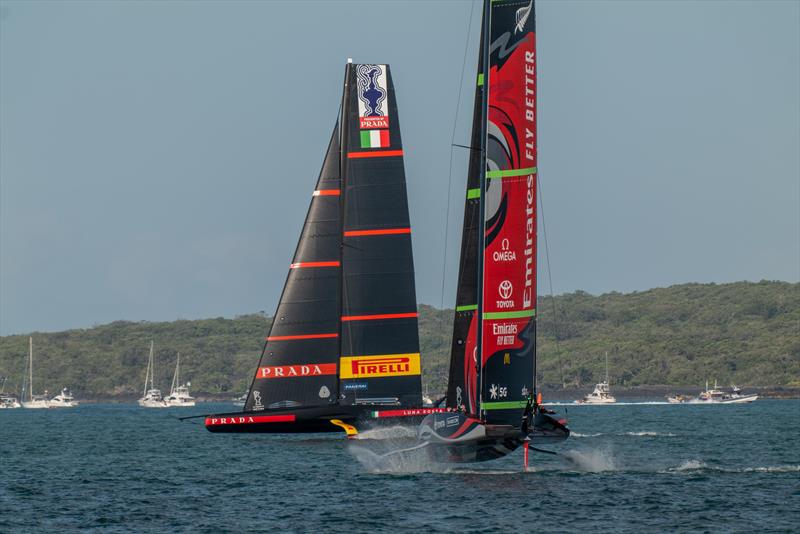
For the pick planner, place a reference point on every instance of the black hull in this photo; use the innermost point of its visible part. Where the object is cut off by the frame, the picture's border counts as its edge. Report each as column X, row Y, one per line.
column 469, row 440
column 312, row 420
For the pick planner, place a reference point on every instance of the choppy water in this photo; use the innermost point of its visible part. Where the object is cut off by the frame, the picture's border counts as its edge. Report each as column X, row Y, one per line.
column 639, row 468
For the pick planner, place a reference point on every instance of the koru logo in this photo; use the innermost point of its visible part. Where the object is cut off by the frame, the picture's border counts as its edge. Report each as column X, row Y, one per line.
column 505, row 289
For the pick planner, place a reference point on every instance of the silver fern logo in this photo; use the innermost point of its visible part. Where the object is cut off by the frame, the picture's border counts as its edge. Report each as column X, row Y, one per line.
column 522, row 17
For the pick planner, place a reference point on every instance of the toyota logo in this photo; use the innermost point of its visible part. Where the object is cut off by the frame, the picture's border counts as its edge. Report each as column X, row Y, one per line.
column 505, row 289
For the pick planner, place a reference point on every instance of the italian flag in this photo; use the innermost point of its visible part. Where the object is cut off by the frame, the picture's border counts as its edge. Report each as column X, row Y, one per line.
column 375, row 139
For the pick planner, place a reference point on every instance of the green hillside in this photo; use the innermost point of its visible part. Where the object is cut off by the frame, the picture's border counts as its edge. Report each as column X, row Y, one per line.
column 747, row 333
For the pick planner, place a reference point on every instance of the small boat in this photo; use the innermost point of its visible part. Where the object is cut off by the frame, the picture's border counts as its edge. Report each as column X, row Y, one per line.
column 179, row 393
column 717, row 396
column 679, row 399
column 34, row 401
column 63, row 400
column 7, row 400
column 239, row 401
column 601, row 393
column 152, row 397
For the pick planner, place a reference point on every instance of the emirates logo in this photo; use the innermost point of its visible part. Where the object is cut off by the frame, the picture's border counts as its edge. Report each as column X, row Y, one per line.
column 505, row 289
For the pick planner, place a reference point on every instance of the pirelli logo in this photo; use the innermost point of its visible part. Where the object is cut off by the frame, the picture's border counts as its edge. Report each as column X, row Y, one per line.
column 379, row 365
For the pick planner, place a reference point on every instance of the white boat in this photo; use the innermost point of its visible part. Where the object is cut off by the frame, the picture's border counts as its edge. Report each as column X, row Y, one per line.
column 34, row 401
column 151, row 397
column 179, row 393
column 239, row 401
column 63, row 400
column 601, row 393
column 7, row 400
column 717, row 396
column 679, row 399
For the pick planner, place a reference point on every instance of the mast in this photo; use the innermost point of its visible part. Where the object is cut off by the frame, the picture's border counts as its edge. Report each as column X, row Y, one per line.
column 30, row 368
column 147, row 374
column 486, row 40
column 175, row 379
column 607, row 382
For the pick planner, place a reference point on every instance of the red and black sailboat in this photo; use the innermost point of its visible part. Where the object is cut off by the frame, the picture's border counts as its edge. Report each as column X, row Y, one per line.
column 344, row 345
column 492, row 393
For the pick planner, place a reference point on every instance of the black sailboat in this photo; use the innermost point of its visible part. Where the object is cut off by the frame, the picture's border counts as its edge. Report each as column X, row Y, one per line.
column 344, row 346
column 494, row 406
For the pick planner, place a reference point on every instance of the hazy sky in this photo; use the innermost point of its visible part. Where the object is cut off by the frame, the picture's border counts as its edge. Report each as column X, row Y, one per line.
column 157, row 158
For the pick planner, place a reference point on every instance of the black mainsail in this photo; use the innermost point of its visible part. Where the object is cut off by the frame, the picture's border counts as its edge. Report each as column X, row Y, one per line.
column 344, row 342
column 492, row 385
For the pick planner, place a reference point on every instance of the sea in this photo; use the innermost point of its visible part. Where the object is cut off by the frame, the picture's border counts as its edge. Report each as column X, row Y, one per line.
column 634, row 467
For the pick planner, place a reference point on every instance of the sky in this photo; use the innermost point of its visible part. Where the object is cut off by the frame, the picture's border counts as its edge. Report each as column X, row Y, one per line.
column 156, row 158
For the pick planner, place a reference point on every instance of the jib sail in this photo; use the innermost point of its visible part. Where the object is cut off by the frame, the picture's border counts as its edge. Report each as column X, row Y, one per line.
column 500, row 341
column 345, row 331
column 380, row 362
column 299, row 363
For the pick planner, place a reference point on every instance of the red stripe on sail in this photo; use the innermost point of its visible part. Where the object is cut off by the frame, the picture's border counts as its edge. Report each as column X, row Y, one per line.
column 407, row 413
column 387, row 231
column 304, row 336
column 304, row 264
column 375, row 154
column 378, row 317
column 249, row 419
column 327, row 193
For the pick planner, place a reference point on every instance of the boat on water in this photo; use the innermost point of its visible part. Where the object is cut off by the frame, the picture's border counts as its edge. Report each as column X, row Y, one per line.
column 63, row 400
column 33, row 401
column 717, row 396
column 601, row 394
column 493, row 402
column 343, row 351
column 152, row 397
column 179, row 393
column 7, row 400
column 679, row 399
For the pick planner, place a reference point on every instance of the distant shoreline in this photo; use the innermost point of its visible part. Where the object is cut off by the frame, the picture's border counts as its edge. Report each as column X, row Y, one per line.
column 567, row 394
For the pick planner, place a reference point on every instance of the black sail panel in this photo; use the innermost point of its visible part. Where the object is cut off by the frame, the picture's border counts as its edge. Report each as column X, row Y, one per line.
column 461, row 385
column 380, row 360
column 299, row 364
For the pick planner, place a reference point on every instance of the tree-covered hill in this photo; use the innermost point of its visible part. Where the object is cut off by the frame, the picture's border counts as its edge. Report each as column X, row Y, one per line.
column 746, row 333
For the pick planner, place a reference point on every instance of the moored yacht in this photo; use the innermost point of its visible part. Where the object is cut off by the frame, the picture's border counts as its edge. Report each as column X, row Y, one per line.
column 63, row 400
column 6, row 399
column 152, row 397
column 179, row 393
column 34, row 401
